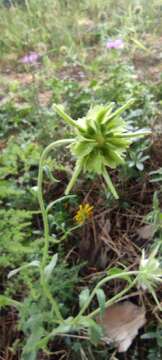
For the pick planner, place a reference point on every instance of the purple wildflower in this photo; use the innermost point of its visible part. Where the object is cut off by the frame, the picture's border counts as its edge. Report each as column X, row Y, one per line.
column 115, row 44
column 30, row 58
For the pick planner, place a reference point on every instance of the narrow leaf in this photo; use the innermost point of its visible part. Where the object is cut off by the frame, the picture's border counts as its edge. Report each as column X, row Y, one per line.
column 121, row 109
column 101, row 300
column 83, row 297
column 34, row 263
column 60, row 111
column 49, row 268
column 6, row 301
column 49, row 174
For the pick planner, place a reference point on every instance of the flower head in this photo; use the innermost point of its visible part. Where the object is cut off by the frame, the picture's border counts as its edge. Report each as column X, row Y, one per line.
column 30, row 58
column 84, row 212
column 115, row 44
column 150, row 272
column 101, row 140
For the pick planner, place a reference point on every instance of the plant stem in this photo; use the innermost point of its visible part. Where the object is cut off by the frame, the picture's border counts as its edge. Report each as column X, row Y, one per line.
column 77, row 170
column 113, row 299
column 110, row 184
column 45, row 223
column 108, row 302
column 102, row 282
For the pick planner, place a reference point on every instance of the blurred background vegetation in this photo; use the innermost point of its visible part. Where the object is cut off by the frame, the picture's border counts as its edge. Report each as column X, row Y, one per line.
column 74, row 67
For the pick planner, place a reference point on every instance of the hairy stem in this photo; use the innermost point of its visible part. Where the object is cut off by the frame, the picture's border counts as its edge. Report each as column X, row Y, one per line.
column 108, row 302
column 114, row 299
column 45, row 223
column 110, row 184
column 77, row 170
column 101, row 283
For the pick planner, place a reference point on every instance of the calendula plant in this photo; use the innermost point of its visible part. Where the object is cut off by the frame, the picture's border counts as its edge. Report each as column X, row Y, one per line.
column 100, row 142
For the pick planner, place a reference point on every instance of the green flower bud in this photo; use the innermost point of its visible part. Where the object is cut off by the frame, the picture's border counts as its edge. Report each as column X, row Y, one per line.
column 101, row 140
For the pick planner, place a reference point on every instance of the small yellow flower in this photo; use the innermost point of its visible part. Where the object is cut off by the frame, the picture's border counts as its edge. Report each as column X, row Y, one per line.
column 84, row 212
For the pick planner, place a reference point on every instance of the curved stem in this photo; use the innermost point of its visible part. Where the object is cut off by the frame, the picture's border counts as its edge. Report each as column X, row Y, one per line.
column 113, row 299
column 45, row 223
column 53, row 203
column 40, row 193
column 108, row 302
column 101, row 283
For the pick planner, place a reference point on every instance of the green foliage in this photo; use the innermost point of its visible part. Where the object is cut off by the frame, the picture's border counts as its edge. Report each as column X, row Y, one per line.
column 15, row 229
column 83, row 297
column 101, row 300
column 137, row 156
column 13, row 116
column 156, row 175
column 154, row 335
column 69, row 30
column 17, row 159
column 79, row 72
column 154, row 217
column 36, row 317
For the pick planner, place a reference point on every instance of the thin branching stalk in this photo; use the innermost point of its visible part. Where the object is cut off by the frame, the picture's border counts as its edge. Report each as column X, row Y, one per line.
column 114, row 299
column 46, row 225
column 101, row 283
column 76, row 173
column 110, row 184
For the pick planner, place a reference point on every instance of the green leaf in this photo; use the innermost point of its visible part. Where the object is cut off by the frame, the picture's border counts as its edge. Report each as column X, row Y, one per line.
column 81, row 149
column 60, row 111
column 49, row 174
column 118, row 143
column 49, row 268
column 95, row 332
column 101, row 300
column 83, row 297
column 119, row 111
column 109, row 109
column 115, row 155
column 34, row 263
column 6, row 301
column 115, row 125
column 155, row 201
column 139, row 166
column 94, row 162
column 103, row 112
column 63, row 328
column 157, row 175
column 36, row 332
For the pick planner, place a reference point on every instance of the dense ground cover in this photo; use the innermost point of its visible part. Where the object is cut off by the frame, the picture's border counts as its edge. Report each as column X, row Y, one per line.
column 79, row 54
